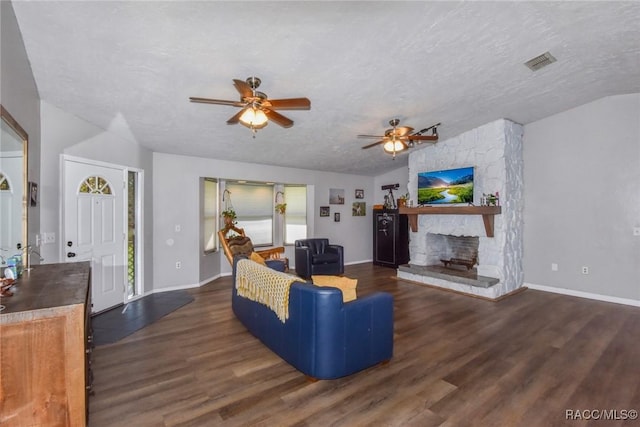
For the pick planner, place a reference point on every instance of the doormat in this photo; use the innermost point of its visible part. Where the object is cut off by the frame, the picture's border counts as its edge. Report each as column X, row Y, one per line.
column 113, row 325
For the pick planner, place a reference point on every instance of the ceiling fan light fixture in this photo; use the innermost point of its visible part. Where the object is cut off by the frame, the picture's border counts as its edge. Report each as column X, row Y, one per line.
column 393, row 146
column 254, row 118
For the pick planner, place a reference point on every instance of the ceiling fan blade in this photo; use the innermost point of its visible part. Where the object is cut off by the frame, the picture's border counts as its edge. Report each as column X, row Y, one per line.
column 243, row 88
column 236, row 117
column 374, row 144
column 371, row 136
column 289, row 104
column 217, row 101
column 403, row 130
column 278, row 118
column 422, row 137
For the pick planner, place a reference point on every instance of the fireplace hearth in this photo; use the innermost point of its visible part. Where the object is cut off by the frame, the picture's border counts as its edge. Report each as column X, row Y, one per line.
column 462, row 276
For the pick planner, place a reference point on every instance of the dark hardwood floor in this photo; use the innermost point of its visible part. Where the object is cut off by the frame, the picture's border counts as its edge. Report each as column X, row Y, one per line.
column 458, row 360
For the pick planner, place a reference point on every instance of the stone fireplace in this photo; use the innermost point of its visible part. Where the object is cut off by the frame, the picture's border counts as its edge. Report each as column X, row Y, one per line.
column 495, row 151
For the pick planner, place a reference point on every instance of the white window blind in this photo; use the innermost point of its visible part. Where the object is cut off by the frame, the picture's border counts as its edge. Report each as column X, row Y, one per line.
column 254, row 209
column 295, row 219
column 210, row 214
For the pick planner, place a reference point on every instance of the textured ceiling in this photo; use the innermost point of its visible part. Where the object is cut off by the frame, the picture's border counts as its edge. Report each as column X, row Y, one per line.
column 131, row 67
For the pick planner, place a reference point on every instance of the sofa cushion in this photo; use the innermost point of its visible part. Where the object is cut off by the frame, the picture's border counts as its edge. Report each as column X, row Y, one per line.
column 345, row 284
column 325, row 258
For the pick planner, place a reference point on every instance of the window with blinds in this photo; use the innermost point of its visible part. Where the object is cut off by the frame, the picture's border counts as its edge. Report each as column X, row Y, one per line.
column 254, row 208
column 295, row 218
column 210, row 214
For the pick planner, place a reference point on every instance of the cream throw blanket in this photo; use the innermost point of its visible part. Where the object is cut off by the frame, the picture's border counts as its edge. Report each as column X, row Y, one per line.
column 264, row 285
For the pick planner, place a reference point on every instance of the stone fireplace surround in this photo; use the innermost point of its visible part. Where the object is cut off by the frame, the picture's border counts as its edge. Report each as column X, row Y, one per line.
column 495, row 151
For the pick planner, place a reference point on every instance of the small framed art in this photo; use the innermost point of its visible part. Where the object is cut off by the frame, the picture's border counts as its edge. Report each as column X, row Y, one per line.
column 336, row 196
column 359, row 209
column 33, row 194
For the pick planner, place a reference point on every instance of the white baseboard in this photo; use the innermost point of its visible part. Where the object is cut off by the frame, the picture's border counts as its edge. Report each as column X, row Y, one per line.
column 580, row 294
column 358, row 262
column 182, row 287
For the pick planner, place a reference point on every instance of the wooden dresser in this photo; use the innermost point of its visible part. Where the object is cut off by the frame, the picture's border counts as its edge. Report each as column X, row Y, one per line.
column 45, row 347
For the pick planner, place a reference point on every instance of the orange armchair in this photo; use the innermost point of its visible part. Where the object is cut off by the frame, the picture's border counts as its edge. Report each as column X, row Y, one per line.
column 242, row 245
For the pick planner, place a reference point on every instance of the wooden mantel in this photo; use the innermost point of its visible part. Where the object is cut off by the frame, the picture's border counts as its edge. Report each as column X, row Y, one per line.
column 487, row 213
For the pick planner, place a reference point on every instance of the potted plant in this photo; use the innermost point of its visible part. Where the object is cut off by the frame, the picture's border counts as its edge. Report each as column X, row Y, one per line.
column 281, row 207
column 229, row 216
column 402, row 200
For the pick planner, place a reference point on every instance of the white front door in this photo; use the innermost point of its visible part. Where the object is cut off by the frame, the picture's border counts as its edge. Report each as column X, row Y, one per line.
column 94, row 227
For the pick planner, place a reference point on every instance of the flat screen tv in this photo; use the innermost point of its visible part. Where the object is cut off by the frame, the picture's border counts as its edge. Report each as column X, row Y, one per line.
column 452, row 186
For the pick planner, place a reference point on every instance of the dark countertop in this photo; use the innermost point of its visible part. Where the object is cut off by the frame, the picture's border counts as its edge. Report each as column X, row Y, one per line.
column 47, row 286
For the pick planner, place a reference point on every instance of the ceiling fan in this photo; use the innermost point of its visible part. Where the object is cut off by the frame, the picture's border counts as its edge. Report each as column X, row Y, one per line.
column 400, row 138
column 256, row 108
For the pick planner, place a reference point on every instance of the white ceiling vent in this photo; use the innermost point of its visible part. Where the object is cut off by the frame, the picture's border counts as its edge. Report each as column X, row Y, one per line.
column 540, row 61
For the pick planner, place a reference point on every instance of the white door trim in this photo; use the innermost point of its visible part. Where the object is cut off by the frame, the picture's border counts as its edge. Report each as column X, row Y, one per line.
column 139, row 261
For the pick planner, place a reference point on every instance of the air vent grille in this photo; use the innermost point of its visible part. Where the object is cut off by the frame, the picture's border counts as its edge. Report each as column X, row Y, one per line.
column 540, row 61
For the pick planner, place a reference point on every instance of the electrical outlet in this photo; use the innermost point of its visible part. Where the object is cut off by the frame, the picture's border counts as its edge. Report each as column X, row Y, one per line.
column 636, row 231
column 554, row 266
column 178, row 265
column 177, row 228
column 585, row 270
column 49, row 237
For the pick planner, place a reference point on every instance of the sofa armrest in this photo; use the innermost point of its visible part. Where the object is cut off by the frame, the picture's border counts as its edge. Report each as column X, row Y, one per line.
column 303, row 261
column 368, row 330
column 335, row 338
column 337, row 249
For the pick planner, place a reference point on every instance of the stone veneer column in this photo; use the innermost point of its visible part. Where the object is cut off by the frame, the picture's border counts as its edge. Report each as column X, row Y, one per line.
column 495, row 151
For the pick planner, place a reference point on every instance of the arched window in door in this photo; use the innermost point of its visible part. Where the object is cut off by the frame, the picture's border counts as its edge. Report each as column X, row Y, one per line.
column 95, row 185
column 4, row 183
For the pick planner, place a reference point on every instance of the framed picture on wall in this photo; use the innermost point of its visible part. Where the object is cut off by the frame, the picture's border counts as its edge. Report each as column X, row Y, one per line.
column 336, row 217
column 359, row 209
column 336, row 196
column 324, row 210
column 359, row 194
column 33, row 194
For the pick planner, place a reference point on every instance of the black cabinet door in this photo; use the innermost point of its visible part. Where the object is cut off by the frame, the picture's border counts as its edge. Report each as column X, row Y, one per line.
column 390, row 238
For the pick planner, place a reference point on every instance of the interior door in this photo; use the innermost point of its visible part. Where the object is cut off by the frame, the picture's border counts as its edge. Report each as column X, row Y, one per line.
column 94, row 227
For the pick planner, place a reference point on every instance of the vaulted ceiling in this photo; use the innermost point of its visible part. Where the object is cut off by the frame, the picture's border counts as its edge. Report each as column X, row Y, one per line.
column 131, row 67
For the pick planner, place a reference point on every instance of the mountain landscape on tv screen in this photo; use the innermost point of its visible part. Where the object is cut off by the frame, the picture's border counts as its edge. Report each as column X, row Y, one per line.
column 446, row 187
column 432, row 181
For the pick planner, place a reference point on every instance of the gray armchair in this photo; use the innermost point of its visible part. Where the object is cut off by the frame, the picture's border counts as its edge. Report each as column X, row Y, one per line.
column 317, row 256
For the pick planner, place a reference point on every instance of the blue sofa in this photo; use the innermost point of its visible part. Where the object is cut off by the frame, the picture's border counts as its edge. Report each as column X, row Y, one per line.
column 323, row 337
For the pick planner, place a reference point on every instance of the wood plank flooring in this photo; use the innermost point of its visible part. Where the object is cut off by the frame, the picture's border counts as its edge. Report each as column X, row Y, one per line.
column 523, row 361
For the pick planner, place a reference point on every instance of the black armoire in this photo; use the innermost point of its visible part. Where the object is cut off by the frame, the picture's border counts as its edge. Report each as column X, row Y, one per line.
column 390, row 238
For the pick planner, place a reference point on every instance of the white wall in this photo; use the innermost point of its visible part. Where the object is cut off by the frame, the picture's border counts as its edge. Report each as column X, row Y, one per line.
column 396, row 176
column 19, row 96
column 64, row 133
column 582, row 172
column 176, row 202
